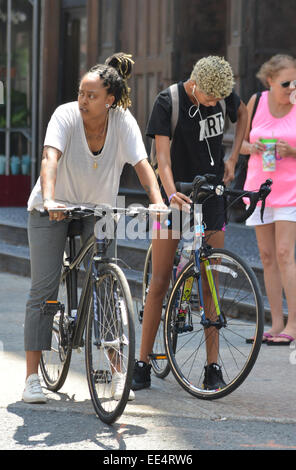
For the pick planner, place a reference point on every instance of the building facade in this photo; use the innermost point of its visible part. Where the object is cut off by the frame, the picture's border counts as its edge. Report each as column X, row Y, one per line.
column 46, row 45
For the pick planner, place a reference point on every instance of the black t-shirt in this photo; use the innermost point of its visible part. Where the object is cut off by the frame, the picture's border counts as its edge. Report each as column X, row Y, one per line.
column 189, row 150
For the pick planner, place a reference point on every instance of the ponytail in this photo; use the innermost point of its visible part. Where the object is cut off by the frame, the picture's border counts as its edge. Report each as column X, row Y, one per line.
column 123, row 64
column 114, row 74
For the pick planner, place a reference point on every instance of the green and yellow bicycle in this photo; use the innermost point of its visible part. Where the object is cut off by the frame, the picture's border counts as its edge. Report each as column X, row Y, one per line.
column 212, row 307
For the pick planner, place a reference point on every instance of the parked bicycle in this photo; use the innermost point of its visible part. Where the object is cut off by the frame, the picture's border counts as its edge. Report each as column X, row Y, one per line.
column 104, row 311
column 212, row 308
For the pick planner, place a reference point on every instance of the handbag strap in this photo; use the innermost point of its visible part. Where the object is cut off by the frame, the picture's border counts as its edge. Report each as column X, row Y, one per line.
column 258, row 96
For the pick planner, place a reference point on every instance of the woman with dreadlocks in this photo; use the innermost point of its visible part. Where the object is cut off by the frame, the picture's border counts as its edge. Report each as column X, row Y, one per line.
column 86, row 146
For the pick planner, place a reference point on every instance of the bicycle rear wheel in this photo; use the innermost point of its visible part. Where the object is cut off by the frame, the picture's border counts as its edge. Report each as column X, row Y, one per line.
column 159, row 361
column 110, row 342
column 54, row 364
column 222, row 342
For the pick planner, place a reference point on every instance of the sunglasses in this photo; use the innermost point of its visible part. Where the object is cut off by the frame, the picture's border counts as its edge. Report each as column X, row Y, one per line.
column 291, row 84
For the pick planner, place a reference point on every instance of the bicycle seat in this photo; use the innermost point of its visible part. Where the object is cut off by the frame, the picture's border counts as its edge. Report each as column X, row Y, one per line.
column 75, row 228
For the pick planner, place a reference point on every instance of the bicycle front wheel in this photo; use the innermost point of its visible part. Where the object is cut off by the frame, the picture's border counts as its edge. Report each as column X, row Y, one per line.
column 110, row 343
column 54, row 364
column 216, row 350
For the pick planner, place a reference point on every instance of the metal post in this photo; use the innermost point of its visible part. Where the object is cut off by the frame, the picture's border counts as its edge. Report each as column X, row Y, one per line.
column 34, row 90
column 8, row 88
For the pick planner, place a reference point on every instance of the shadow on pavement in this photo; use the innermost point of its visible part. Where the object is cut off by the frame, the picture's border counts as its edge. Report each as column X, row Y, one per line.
column 41, row 427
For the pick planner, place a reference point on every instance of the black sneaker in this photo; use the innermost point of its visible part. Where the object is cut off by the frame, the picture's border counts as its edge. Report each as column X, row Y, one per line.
column 142, row 376
column 213, row 379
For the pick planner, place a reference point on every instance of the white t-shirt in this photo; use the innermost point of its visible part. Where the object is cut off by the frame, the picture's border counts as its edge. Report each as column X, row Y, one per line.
column 78, row 182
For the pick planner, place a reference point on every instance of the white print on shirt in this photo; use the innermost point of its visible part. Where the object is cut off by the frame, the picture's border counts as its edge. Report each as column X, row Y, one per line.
column 212, row 126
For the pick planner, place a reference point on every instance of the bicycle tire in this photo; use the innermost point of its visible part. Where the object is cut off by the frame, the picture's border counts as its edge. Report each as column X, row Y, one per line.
column 54, row 364
column 243, row 317
column 160, row 367
column 114, row 319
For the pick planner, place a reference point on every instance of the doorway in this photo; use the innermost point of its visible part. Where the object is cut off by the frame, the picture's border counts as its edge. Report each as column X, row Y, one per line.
column 73, row 57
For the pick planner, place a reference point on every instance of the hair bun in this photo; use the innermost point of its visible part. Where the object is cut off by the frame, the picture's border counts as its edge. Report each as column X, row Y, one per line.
column 122, row 62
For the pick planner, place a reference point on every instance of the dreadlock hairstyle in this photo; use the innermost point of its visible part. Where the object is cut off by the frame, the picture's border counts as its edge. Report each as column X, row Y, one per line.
column 114, row 74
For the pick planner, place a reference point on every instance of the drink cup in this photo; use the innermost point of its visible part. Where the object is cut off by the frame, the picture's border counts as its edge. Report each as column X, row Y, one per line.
column 268, row 156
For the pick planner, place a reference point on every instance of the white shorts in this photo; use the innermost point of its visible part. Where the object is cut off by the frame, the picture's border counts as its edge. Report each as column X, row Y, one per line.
column 271, row 215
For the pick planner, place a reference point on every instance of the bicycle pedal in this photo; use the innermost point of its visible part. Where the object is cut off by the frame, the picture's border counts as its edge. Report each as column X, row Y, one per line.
column 102, row 377
column 157, row 357
column 52, row 307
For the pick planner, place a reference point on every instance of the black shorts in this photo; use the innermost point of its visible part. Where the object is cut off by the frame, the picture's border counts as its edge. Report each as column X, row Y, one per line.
column 214, row 216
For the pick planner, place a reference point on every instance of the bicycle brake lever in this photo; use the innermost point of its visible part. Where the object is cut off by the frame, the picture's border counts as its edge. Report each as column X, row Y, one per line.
column 210, row 178
column 262, row 210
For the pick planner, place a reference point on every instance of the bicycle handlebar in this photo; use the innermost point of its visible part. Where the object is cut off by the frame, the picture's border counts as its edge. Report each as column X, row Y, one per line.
column 203, row 186
column 81, row 211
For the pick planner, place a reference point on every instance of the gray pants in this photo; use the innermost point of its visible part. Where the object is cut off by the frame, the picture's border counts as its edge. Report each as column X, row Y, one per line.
column 47, row 241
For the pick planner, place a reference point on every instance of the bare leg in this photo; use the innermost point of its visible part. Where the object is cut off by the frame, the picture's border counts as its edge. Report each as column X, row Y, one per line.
column 212, row 334
column 33, row 360
column 285, row 236
column 163, row 252
column 272, row 277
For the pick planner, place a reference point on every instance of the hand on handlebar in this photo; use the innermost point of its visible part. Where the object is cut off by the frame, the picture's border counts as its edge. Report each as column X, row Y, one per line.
column 158, row 216
column 229, row 171
column 158, row 206
column 181, row 201
column 50, row 205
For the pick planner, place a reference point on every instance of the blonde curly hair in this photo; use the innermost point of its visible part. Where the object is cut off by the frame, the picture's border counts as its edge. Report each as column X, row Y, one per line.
column 213, row 76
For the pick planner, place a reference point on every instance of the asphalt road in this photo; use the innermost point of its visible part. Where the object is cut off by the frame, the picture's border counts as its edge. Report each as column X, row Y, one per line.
column 259, row 415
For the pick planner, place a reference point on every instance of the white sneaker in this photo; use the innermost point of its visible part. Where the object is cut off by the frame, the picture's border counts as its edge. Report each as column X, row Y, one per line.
column 117, row 387
column 33, row 392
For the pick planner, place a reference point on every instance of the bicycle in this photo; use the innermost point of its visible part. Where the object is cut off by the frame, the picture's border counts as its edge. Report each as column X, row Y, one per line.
column 104, row 311
column 194, row 331
column 158, row 357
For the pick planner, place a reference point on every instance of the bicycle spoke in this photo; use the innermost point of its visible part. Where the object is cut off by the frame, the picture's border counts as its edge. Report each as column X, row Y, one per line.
column 55, row 363
column 219, row 339
column 110, row 343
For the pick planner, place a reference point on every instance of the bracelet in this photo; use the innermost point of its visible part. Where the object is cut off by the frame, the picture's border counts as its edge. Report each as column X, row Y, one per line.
column 171, row 196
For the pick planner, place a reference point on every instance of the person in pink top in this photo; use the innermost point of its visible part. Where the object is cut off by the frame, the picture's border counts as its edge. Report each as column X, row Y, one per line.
column 275, row 119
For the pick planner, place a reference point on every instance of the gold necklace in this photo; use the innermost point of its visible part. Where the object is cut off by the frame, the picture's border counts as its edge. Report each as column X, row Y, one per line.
column 95, row 165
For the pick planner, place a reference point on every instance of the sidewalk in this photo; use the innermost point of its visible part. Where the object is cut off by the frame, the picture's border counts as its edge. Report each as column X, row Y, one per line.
column 267, row 396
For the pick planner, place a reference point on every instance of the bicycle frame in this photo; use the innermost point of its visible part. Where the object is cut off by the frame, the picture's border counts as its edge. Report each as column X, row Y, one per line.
column 97, row 256
column 198, row 244
column 74, row 262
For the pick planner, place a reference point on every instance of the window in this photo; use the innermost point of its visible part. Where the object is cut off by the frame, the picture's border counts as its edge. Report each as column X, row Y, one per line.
column 18, row 65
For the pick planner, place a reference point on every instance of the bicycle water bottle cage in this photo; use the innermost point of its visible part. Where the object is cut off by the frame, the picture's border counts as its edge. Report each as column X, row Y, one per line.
column 52, row 307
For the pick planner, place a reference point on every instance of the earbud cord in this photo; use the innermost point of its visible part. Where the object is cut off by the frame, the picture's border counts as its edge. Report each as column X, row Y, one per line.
column 193, row 115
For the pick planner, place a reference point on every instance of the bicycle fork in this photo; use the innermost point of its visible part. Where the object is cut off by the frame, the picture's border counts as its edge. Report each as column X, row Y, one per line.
column 205, row 321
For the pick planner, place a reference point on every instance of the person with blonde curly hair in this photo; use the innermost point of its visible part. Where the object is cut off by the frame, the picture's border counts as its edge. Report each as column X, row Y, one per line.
column 196, row 149
column 87, row 144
